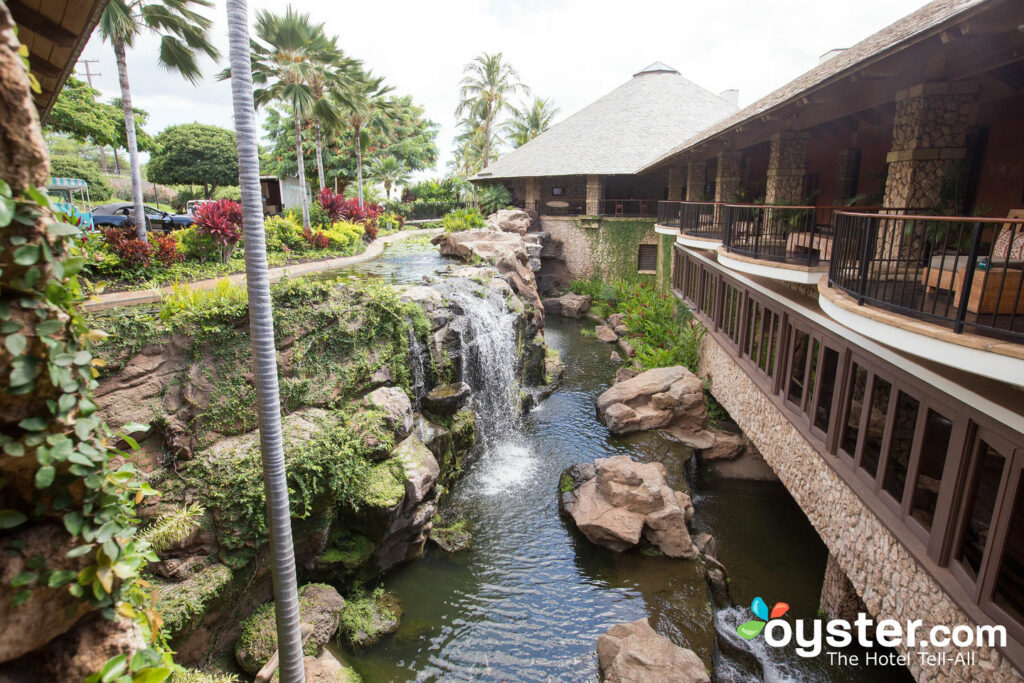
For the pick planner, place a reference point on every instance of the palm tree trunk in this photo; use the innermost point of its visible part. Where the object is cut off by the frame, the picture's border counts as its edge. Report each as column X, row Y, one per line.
column 302, row 170
column 133, row 147
column 319, row 155
column 261, row 325
column 117, row 163
column 359, row 164
column 487, row 144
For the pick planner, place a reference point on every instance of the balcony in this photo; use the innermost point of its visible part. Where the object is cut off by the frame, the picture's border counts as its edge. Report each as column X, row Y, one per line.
column 698, row 223
column 609, row 208
column 947, row 288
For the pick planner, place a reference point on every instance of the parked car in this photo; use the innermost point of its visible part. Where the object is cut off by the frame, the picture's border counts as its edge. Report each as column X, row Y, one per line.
column 119, row 214
column 193, row 204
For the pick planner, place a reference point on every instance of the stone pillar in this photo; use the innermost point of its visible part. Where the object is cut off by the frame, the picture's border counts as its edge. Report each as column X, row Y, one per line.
column 839, row 600
column 787, row 162
column 595, row 194
column 532, row 194
column 847, row 172
column 730, row 176
column 929, row 135
column 675, row 184
column 695, row 173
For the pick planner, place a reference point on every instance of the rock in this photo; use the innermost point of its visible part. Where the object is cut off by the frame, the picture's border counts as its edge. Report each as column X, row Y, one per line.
column 615, row 357
column 726, row 447
column 621, row 330
column 368, row 618
column 655, row 399
column 606, row 334
column 421, row 469
column 320, row 606
column 568, row 305
column 447, row 399
column 510, row 220
column 396, row 406
column 623, row 499
column 80, row 652
column 327, row 669
column 706, row 544
column 622, row 374
column 616, row 319
column 451, row 539
column 635, row 652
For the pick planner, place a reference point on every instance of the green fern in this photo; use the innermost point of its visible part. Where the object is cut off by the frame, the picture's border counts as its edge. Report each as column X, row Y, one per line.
column 174, row 527
column 197, row 676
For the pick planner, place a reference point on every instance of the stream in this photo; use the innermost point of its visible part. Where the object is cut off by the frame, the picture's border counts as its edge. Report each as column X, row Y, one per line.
column 530, row 597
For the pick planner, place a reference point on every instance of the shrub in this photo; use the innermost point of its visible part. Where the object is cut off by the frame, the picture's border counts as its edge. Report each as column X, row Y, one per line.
column 133, row 252
column 284, row 234
column 332, row 203
column 222, row 221
column 165, row 248
column 73, row 167
column 344, row 235
column 462, row 219
column 225, row 297
column 194, row 244
column 316, row 238
column 389, row 220
column 494, row 197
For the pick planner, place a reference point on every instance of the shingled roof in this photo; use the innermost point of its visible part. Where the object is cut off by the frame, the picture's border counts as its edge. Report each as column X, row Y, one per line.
column 622, row 132
column 910, row 28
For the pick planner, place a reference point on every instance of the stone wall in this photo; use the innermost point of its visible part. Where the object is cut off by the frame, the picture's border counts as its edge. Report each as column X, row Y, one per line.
column 787, row 161
column 730, row 176
column 602, row 247
column 891, row 583
column 839, row 599
column 595, row 194
column 695, row 171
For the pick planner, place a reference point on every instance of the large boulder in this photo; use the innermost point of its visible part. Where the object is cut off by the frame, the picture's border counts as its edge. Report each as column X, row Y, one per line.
column 447, row 399
column 656, row 399
column 320, row 607
column 623, row 500
column 328, row 669
column 568, row 305
column 606, row 334
column 629, row 653
column 510, row 220
column 396, row 406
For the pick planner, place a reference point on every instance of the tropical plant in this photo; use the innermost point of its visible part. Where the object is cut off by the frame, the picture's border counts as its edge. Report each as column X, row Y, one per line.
column 332, row 203
column 194, row 154
column 221, row 221
column 174, row 527
column 388, row 171
column 494, row 197
column 484, row 95
column 366, row 111
column 371, row 194
column 462, row 219
column 78, row 113
column 183, row 34
column 261, row 324
column 289, row 55
column 529, row 121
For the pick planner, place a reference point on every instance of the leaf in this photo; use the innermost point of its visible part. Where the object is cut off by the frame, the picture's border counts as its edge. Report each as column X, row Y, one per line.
column 73, row 522
column 62, row 229
column 113, row 668
column 759, row 608
column 11, row 518
column 106, row 578
column 152, row 675
column 134, row 427
column 15, row 343
column 45, row 476
column 60, row 578
column 145, row 658
column 27, row 255
column 33, row 424
column 21, row 597
column 23, row 579
column 750, row 629
column 79, row 551
column 779, row 609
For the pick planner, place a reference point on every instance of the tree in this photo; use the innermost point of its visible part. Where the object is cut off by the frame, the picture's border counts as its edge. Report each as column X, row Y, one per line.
column 367, row 110
column 287, row 54
column 530, row 121
column 388, row 171
column 484, row 94
column 79, row 114
column 337, row 77
column 183, row 35
column 194, row 154
column 261, row 325
column 89, row 171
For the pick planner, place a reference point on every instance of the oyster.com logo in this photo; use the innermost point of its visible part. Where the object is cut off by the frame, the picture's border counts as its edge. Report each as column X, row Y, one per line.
column 749, row 630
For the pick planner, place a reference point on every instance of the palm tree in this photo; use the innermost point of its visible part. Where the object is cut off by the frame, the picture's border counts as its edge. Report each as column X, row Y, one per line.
column 484, row 94
column 530, row 121
column 366, row 110
column 261, row 325
column 339, row 77
column 388, row 171
column 183, row 35
column 288, row 54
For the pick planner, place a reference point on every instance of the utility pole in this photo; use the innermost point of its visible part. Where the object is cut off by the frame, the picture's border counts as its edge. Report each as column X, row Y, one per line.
column 88, row 76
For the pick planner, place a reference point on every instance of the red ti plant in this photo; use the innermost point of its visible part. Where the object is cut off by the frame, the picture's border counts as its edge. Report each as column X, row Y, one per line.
column 332, row 203
column 221, row 221
column 132, row 252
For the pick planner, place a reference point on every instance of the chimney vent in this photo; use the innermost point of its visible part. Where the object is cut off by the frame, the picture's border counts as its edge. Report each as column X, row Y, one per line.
column 732, row 95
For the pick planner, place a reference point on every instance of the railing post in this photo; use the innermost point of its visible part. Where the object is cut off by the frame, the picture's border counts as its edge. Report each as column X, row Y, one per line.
column 865, row 252
column 727, row 233
column 965, row 291
column 814, row 229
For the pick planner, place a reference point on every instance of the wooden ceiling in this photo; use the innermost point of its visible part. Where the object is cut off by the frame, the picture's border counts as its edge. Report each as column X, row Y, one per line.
column 55, row 32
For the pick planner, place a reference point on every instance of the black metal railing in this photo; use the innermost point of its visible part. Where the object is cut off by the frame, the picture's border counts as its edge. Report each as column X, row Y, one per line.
column 561, row 206
column 611, row 208
column 963, row 273
column 669, row 213
column 773, row 233
column 702, row 219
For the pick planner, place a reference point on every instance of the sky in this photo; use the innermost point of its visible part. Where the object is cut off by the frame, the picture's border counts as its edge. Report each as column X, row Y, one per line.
column 573, row 51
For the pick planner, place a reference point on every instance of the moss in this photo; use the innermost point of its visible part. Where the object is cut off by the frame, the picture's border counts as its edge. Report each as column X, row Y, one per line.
column 368, row 616
column 258, row 639
column 182, row 604
column 349, row 550
column 463, row 427
column 614, row 245
column 383, row 487
column 566, row 484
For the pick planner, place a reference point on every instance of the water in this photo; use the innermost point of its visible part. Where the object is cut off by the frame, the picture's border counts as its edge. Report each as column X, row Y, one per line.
column 403, row 262
column 528, row 600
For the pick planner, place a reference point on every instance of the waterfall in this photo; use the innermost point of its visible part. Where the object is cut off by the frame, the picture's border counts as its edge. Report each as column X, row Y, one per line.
column 489, row 363
column 417, row 351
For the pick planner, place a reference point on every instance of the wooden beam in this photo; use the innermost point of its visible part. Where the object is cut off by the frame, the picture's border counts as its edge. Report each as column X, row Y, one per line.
column 41, row 67
column 45, row 28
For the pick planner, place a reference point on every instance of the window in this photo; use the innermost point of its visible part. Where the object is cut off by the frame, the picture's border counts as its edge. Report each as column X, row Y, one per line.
column 853, row 409
column 875, row 428
column 977, row 522
column 900, row 445
column 1009, row 588
column 829, row 368
column 938, row 432
column 647, row 257
column 798, row 367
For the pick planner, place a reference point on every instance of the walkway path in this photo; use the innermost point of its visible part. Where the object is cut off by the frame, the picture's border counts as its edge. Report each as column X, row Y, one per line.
column 148, row 296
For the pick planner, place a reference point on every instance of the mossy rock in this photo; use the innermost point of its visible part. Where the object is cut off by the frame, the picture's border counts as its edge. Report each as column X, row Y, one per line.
column 320, row 606
column 184, row 603
column 351, row 551
column 451, row 538
column 463, row 430
column 369, row 617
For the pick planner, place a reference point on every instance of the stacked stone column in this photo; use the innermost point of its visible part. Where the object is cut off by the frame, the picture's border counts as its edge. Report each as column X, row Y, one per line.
column 787, row 163
column 727, row 182
column 695, row 171
column 595, row 194
column 847, row 171
column 675, row 184
column 839, row 599
column 532, row 194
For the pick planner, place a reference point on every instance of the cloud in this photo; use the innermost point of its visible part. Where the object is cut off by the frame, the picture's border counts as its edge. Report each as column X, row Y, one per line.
column 573, row 51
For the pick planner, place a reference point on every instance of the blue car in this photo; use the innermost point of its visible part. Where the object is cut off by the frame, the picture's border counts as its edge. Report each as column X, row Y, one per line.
column 119, row 214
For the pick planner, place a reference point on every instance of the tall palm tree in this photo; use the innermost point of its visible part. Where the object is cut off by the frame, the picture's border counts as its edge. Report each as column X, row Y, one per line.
column 339, row 76
column 485, row 91
column 261, row 326
column 366, row 109
column 531, row 120
column 183, row 35
column 288, row 53
column 388, row 171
